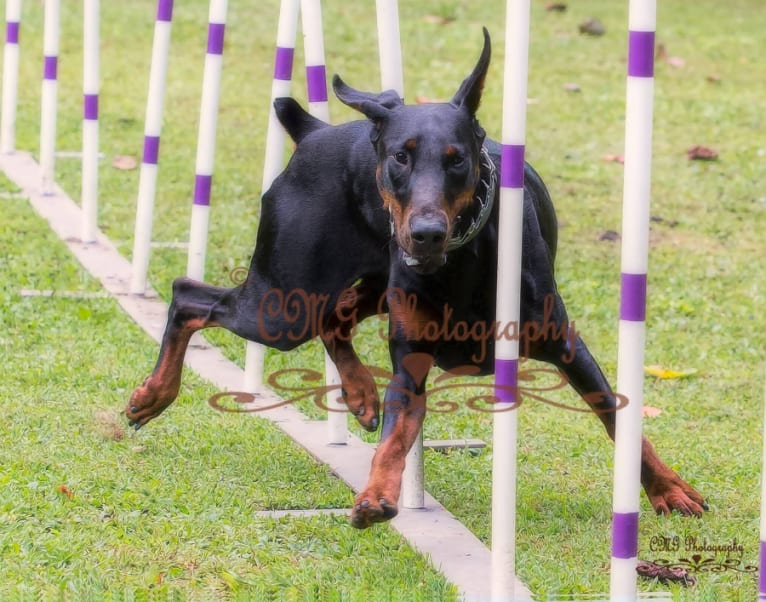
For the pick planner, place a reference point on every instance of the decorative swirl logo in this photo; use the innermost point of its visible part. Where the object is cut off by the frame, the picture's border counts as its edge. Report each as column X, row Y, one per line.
column 698, row 564
column 238, row 275
column 534, row 384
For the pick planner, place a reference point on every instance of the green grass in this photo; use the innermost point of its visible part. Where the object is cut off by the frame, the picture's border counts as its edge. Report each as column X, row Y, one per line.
column 90, row 509
column 198, row 472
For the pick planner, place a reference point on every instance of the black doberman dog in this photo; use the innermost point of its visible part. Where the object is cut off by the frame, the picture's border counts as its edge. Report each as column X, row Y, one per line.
column 325, row 249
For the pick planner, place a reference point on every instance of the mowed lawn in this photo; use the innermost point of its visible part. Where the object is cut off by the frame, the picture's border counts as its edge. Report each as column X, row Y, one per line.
column 88, row 507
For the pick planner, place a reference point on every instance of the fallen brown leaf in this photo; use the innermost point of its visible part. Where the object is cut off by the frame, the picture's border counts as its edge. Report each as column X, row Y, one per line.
column 650, row 412
column 125, row 162
column 676, row 61
column 64, row 490
column 661, row 55
column 609, row 235
column 714, row 78
column 658, row 219
column 614, row 158
column 438, row 20
column 572, row 87
column 592, row 27
column 558, row 7
column 701, row 153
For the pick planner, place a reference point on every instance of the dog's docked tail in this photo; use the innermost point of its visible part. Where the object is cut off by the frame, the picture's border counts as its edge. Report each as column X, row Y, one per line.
column 298, row 122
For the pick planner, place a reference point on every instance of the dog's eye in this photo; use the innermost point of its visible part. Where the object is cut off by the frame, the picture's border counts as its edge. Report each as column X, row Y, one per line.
column 456, row 160
column 401, row 157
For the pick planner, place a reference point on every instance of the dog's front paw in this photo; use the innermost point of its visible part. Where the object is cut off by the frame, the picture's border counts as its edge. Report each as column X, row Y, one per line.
column 360, row 394
column 147, row 402
column 370, row 509
column 364, row 404
column 669, row 492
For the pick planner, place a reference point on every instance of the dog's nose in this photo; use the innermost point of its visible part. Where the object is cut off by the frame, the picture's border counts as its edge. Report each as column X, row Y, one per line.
column 428, row 235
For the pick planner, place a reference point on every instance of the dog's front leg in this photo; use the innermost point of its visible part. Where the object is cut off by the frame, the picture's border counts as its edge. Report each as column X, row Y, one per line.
column 360, row 392
column 404, row 412
column 404, row 407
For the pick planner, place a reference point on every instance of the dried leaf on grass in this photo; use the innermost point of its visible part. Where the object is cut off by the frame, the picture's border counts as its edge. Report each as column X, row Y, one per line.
column 676, row 61
column 614, row 158
column 64, row 490
column 592, row 27
column 665, row 374
column 701, row 153
column 557, row 7
column 438, row 19
column 125, row 162
column 663, row 56
column 650, row 412
column 609, row 235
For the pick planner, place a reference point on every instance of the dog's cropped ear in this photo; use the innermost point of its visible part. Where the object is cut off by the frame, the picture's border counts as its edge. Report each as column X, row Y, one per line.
column 298, row 122
column 375, row 107
column 469, row 94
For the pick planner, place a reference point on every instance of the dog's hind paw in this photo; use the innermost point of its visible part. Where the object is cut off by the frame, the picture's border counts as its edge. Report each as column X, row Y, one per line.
column 667, row 495
column 369, row 511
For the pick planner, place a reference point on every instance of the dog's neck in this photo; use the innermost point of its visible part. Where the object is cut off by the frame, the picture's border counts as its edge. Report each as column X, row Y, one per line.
column 485, row 199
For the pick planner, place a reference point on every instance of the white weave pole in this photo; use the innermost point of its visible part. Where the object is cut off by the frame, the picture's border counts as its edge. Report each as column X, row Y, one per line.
column 49, row 95
column 634, row 264
column 10, row 76
column 504, row 434
column 147, row 182
column 208, row 121
column 762, row 555
column 90, row 85
column 392, row 78
column 316, row 80
column 287, row 31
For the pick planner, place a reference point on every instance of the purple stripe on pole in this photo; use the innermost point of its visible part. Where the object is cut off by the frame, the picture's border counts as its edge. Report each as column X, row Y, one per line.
column 512, row 166
column 283, row 63
column 50, row 69
column 641, row 53
column 625, row 535
column 165, row 10
column 90, row 105
column 316, row 80
column 215, row 33
column 762, row 572
column 633, row 297
column 12, row 32
column 202, row 185
column 151, row 149
column 506, row 380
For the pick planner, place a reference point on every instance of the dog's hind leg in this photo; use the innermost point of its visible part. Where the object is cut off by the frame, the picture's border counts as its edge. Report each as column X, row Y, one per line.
column 191, row 309
column 665, row 489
